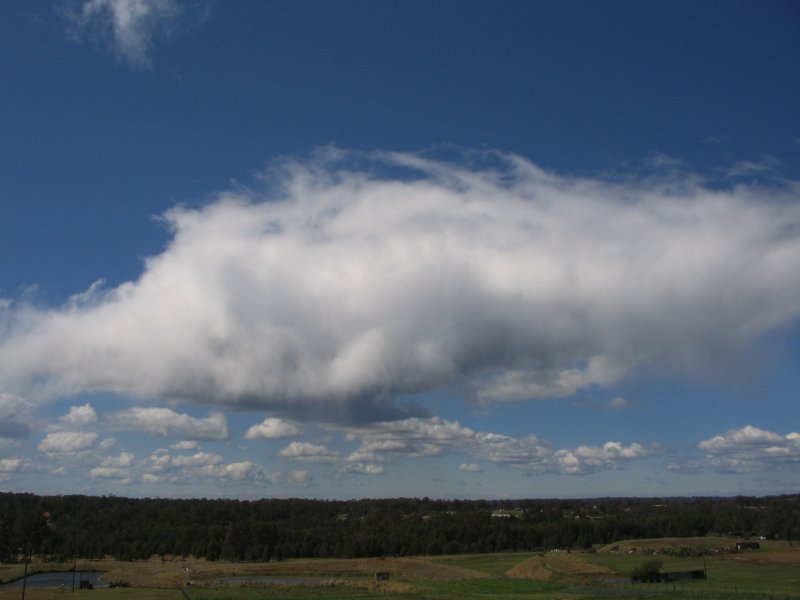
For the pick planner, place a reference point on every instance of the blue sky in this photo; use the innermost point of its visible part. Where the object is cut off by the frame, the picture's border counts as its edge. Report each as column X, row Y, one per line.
column 371, row 248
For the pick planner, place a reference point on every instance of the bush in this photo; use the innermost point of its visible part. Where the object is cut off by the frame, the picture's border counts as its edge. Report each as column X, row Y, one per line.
column 647, row 571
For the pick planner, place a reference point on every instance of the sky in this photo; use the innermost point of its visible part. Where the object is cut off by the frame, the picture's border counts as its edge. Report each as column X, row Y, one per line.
column 368, row 248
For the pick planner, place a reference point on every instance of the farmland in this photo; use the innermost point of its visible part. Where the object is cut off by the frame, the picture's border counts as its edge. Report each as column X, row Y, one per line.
column 772, row 572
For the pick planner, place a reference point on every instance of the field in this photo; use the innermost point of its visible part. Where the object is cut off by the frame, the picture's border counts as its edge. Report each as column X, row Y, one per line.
column 770, row 573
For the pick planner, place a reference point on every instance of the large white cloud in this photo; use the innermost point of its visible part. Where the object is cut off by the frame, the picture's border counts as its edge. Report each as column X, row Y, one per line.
column 346, row 286
column 746, row 450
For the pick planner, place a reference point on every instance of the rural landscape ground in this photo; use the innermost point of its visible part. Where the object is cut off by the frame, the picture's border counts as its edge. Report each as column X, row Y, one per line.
column 771, row 572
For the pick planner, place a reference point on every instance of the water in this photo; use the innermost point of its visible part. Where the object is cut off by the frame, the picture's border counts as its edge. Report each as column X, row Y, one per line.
column 58, row 579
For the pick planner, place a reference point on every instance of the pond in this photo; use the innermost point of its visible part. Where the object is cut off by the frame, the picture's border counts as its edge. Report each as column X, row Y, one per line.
column 58, row 579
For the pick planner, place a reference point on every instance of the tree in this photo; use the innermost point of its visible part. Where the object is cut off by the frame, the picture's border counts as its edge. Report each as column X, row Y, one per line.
column 647, row 571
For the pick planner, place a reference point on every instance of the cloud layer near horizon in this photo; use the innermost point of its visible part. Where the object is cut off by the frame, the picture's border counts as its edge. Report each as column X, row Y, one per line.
column 361, row 277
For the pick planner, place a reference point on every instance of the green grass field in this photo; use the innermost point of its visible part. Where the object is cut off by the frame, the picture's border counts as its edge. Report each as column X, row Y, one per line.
column 493, row 565
column 772, row 573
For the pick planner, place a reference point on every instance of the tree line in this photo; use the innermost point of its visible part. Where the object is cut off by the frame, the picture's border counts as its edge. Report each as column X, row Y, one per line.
column 59, row 527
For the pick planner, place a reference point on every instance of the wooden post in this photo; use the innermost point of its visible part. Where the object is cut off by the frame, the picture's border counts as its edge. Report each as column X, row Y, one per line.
column 25, row 577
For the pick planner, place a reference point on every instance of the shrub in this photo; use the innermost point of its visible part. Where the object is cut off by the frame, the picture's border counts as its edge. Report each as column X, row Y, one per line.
column 647, row 571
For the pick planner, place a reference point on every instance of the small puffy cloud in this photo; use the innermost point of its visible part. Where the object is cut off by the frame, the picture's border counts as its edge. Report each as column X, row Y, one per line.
column 199, row 459
column 239, row 470
column 469, row 467
column 619, row 403
column 308, row 452
column 9, row 467
column 16, row 417
column 110, row 473
column 124, row 459
column 301, row 477
column 165, row 422
column 364, row 469
column 66, row 442
column 689, row 467
column 129, row 28
column 345, row 286
column 118, row 467
column 107, row 443
column 185, row 445
column 271, row 428
column 364, row 456
column 79, row 416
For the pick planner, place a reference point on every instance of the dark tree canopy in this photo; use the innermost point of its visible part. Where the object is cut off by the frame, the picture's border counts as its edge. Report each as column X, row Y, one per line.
column 275, row 529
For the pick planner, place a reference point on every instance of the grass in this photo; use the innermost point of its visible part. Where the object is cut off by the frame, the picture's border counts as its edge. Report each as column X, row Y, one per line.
column 493, row 565
column 769, row 574
column 121, row 594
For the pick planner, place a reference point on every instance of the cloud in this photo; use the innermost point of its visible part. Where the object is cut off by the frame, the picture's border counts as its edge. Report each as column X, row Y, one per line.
column 358, row 278
column 419, row 438
column 745, row 450
column 79, row 416
column 16, row 417
column 271, row 428
column 588, row 459
column 66, row 442
column 161, row 466
column 107, row 443
column 620, row 403
column 469, row 468
column 537, row 383
column 115, row 467
column 199, row 459
column 301, row 477
column 164, row 422
column 9, row 467
column 130, row 28
column 768, row 166
column 364, row 469
column 308, row 452
column 185, row 445
column 738, row 440
column 111, row 473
